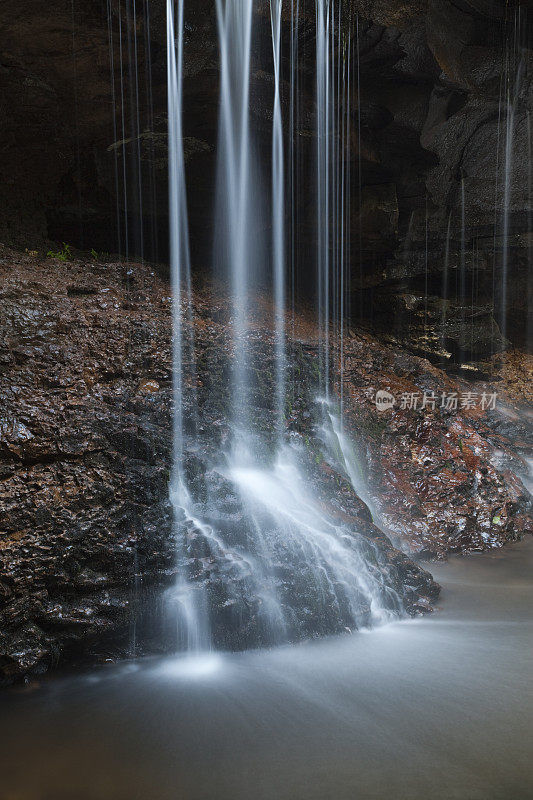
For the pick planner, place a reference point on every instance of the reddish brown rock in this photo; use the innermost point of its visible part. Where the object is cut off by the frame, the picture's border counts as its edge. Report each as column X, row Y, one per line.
column 438, row 475
column 85, row 540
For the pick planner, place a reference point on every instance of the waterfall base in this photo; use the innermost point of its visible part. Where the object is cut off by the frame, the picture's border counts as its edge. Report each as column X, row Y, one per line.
column 87, row 549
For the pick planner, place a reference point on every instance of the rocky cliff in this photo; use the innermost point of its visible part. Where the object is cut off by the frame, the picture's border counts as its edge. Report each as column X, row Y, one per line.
column 87, row 545
column 441, row 149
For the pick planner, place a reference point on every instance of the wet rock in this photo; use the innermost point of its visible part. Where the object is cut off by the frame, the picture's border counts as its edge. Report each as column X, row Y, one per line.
column 445, row 331
column 89, row 541
column 427, row 108
column 435, row 474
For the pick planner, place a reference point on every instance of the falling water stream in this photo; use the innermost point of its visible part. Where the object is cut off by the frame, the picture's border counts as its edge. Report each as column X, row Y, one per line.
column 186, row 599
column 278, row 216
column 278, row 549
column 282, row 529
column 323, row 145
column 235, row 194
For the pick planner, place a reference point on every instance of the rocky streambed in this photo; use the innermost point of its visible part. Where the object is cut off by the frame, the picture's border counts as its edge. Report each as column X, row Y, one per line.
column 86, row 536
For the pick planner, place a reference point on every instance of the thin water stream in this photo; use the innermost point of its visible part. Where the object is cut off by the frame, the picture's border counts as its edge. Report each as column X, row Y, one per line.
column 438, row 707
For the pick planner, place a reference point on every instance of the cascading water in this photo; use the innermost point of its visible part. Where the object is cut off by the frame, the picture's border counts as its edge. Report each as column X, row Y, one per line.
column 185, row 598
column 345, row 179
column 529, row 334
column 333, row 131
column 514, row 81
column 261, row 559
column 294, row 122
column 235, row 215
column 507, row 166
column 179, row 235
column 323, row 141
column 278, row 215
column 445, row 278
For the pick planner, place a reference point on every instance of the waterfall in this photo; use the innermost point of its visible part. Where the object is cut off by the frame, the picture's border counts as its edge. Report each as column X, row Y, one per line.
column 186, row 600
column 278, row 219
column 152, row 187
column 333, row 132
column 111, row 47
column 323, row 143
column 234, row 190
column 345, row 248
column 180, row 263
column 462, row 275
column 135, row 125
column 333, row 169
column 294, row 122
column 445, row 278
column 513, row 78
column 529, row 332
column 262, row 560
column 360, row 165
column 507, row 166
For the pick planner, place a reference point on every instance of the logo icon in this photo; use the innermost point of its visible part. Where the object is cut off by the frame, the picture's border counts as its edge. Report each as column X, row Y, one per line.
column 384, row 400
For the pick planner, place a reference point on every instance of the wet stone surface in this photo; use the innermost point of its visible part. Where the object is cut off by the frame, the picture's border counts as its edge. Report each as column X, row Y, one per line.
column 87, row 544
column 445, row 479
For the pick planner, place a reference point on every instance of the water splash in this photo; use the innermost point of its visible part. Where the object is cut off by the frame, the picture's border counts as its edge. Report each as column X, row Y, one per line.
column 349, row 591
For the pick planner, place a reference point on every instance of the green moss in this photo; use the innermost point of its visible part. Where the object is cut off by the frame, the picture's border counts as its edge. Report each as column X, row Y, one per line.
column 371, row 426
column 62, row 255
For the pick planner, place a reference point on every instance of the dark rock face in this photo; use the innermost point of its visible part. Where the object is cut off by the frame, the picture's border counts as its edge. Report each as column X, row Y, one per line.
column 84, row 456
column 55, row 89
column 438, row 81
column 88, row 546
column 88, row 543
column 441, row 146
